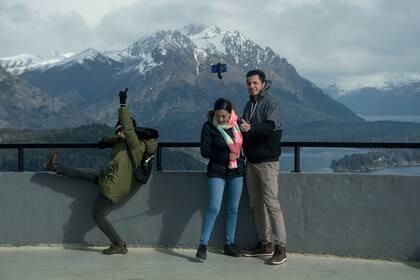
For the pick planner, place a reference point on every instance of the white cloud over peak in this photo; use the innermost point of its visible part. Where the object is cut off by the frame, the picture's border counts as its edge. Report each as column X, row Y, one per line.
column 324, row 39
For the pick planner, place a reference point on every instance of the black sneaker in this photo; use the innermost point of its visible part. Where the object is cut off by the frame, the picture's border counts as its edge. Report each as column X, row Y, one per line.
column 279, row 255
column 116, row 248
column 202, row 252
column 231, row 250
column 262, row 249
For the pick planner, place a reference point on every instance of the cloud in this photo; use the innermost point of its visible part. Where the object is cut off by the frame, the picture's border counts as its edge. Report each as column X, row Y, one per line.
column 23, row 30
column 324, row 39
column 336, row 38
column 131, row 23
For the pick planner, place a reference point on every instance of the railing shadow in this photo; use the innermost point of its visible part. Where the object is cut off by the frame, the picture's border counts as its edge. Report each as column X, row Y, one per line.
column 177, row 205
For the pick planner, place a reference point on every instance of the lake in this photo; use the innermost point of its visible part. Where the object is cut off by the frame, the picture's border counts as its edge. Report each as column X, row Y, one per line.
column 319, row 160
column 400, row 118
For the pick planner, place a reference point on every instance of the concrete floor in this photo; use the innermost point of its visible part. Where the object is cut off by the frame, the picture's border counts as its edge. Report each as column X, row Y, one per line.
column 150, row 263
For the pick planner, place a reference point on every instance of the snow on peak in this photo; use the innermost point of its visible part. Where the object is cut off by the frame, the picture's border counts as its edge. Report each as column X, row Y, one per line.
column 212, row 39
column 20, row 60
column 59, row 54
column 17, row 64
column 378, row 80
column 143, row 47
column 147, row 52
column 201, row 31
column 25, row 62
column 79, row 58
column 88, row 54
column 205, row 37
column 204, row 40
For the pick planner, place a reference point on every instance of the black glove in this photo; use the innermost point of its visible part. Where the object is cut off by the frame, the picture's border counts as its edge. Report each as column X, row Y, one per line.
column 102, row 145
column 123, row 96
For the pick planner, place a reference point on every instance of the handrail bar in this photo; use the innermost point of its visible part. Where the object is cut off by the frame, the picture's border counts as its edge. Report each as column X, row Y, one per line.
column 295, row 144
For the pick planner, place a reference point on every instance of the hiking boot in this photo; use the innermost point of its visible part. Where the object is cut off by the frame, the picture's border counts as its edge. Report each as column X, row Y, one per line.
column 50, row 164
column 262, row 249
column 116, row 248
column 279, row 255
column 202, row 252
column 231, row 250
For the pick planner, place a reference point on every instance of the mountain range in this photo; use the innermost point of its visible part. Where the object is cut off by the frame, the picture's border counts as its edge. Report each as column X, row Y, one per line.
column 169, row 81
column 386, row 96
column 24, row 106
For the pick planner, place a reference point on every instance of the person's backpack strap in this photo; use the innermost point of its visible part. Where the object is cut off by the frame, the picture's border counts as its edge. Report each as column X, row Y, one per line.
column 143, row 171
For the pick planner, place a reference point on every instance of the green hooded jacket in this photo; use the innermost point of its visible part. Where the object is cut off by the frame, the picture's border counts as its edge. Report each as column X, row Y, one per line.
column 117, row 179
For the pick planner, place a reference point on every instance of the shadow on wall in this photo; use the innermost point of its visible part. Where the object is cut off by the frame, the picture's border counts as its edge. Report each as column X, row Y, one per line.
column 415, row 259
column 80, row 220
column 416, row 256
column 175, row 210
column 180, row 209
column 83, row 196
column 177, row 205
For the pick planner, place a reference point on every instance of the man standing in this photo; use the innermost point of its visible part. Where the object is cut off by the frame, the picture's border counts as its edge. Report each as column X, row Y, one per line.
column 262, row 133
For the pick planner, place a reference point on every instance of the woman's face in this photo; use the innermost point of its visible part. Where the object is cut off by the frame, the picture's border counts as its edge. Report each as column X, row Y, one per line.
column 221, row 116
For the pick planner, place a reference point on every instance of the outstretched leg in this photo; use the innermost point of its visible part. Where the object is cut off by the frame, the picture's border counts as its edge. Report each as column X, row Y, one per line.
column 52, row 165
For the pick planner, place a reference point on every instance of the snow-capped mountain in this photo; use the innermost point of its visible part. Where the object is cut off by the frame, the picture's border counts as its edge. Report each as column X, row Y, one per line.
column 19, row 63
column 26, row 62
column 170, row 84
column 379, row 94
column 80, row 79
column 382, row 81
column 204, row 40
column 80, row 58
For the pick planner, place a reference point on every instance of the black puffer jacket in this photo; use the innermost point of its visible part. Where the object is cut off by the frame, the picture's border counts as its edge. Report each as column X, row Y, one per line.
column 214, row 147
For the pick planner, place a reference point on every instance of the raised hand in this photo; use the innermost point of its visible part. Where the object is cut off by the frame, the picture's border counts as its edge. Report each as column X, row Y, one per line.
column 123, row 97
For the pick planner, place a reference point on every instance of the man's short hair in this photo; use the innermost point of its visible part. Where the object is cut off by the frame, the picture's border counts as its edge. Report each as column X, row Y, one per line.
column 258, row 72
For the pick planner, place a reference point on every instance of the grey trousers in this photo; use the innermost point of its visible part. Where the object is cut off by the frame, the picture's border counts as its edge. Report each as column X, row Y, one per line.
column 87, row 174
column 102, row 205
column 261, row 181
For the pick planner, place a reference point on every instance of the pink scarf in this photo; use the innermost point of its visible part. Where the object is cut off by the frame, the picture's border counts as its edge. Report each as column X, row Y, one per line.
column 235, row 144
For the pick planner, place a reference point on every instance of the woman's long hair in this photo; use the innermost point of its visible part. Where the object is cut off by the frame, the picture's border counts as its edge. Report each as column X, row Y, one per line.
column 220, row 104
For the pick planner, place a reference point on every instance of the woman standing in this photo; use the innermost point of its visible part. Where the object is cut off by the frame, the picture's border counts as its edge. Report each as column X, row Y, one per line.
column 221, row 143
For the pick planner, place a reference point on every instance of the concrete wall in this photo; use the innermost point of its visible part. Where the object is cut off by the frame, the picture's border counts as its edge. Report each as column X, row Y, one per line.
column 373, row 216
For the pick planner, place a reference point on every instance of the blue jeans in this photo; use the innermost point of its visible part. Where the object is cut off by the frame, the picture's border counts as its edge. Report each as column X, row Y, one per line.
column 216, row 188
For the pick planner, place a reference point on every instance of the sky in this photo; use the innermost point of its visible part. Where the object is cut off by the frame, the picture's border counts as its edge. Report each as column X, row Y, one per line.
column 326, row 40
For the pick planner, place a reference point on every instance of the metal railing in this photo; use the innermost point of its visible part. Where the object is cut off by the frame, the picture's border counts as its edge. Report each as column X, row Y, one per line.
column 297, row 146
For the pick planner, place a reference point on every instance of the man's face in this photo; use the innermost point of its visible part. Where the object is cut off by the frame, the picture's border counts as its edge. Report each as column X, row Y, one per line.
column 254, row 84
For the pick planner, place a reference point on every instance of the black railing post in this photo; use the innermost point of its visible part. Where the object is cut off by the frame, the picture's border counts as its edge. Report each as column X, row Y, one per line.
column 159, row 159
column 296, row 159
column 20, row 159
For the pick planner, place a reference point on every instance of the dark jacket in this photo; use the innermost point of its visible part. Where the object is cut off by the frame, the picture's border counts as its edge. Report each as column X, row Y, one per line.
column 214, row 147
column 262, row 142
